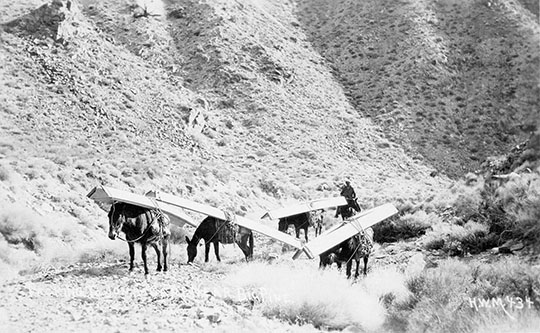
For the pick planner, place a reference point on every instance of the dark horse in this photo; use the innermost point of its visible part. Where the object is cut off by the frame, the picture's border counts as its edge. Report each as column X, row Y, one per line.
column 354, row 248
column 300, row 221
column 209, row 230
column 348, row 210
column 141, row 225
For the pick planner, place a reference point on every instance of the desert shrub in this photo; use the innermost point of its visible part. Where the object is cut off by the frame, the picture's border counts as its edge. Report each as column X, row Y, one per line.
column 178, row 234
column 20, row 226
column 504, row 209
column 531, row 153
column 306, row 154
column 6, row 147
column 464, row 197
column 13, row 256
column 404, row 206
column 443, row 298
column 519, row 198
column 29, row 242
column 4, row 173
column 508, row 278
column 215, row 267
column 287, row 293
column 406, row 226
column 100, row 250
column 456, row 239
column 271, row 187
column 222, row 174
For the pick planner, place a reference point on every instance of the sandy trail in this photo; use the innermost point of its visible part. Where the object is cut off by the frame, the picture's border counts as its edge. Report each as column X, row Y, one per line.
column 105, row 297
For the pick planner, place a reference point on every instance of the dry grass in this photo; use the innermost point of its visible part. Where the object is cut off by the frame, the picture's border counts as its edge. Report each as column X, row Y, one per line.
column 456, row 239
column 520, row 199
column 304, row 295
column 409, row 225
column 440, row 298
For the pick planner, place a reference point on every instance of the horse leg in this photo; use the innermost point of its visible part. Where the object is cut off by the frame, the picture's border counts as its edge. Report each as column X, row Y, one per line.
column 251, row 245
column 165, row 250
column 216, row 250
column 357, row 268
column 131, row 255
column 349, row 267
column 143, row 255
column 365, row 264
column 323, row 261
column 158, row 254
column 305, row 233
column 206, row 250
column 297, row 232
column 242, row 243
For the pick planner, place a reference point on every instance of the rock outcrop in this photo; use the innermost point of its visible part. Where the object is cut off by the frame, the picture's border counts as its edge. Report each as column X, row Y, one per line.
column 55, row 20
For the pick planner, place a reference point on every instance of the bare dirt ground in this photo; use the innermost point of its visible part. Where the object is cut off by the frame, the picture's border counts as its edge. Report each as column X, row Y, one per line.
column 104, row 297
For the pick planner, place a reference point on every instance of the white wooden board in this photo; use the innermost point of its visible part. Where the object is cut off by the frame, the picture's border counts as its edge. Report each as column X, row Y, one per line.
column 188, row 204
column 109, row 195
column 330, row 230
column 352, row 227
column 268, row 231
column 305, row 207
column 218, row 213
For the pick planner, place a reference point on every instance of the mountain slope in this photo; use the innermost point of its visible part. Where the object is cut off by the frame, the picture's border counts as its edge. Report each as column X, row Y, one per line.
column 108, row 95
column 455, row 81
column 242, row 105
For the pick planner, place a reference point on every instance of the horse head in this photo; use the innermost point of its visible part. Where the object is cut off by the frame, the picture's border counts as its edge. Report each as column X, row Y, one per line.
column 116, row 219
column 191, row 249
column 283, row 224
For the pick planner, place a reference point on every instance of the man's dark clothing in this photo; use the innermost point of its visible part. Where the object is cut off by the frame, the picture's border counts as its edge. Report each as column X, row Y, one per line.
column 348, row 192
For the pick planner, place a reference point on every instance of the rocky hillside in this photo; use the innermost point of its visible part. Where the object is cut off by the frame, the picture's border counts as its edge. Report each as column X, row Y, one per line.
column 247, row 105
column 455, row 81
column 225, row 103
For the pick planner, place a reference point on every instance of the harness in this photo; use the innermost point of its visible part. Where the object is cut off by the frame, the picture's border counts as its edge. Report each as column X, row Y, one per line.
column 362, row 233
column 157, row 213
column 227, row 235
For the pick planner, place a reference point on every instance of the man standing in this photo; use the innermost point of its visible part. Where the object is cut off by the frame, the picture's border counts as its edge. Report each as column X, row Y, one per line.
column 350, row 195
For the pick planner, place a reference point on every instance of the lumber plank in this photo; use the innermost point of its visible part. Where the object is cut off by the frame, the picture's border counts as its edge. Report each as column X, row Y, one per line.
column 351, row 228
column 304, row 207
column 218, row 213
column 109, row 195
